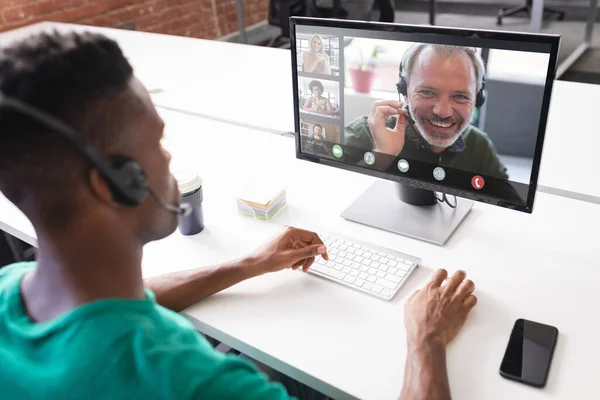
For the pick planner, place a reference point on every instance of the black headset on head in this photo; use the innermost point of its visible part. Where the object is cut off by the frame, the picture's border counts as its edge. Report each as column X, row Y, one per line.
column 125, row 176
column 402, row 87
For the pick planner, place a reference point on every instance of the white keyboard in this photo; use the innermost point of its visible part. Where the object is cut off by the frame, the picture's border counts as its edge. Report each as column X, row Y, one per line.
column 371, row 269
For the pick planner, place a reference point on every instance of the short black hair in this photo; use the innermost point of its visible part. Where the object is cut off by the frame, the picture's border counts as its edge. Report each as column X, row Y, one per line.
column 316, row 83
column 74, row 77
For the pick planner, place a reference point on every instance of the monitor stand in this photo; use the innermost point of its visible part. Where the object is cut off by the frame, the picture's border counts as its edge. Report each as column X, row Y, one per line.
column 408, row 211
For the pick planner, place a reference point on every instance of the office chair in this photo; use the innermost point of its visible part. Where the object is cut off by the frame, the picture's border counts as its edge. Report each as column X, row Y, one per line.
column 509, row 11
column 14, row 250
column 280, row 12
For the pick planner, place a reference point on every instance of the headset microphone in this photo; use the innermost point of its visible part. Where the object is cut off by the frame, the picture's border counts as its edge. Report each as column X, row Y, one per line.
column 183, row 209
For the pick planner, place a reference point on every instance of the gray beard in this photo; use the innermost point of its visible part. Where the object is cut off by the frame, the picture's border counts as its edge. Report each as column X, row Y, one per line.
column 435, row 141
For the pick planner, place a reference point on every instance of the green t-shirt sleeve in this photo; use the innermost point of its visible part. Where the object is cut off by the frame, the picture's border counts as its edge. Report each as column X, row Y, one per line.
column 193, row 372
column 233, row 379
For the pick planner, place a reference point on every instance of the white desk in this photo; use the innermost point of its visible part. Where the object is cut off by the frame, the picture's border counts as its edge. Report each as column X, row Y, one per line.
column 537, row 20
column 542, row 266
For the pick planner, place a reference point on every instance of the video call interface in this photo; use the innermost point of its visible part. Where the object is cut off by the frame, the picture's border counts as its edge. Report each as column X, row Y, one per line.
column 457, row 116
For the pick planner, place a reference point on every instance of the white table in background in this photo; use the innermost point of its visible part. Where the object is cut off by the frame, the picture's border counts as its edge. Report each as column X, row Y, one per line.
column 542, row 266
column 537, row 20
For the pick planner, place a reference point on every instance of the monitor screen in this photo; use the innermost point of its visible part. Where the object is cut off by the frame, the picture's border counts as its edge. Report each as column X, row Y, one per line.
column 457, row 111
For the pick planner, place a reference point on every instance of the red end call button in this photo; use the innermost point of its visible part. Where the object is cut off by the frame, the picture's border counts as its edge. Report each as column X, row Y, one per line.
column 478, row 182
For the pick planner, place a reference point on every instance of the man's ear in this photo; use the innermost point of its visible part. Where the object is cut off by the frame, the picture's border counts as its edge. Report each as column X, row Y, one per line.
column 100, row 188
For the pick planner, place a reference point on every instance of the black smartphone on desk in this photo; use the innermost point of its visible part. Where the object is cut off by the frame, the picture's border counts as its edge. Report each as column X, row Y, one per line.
column 529, row 353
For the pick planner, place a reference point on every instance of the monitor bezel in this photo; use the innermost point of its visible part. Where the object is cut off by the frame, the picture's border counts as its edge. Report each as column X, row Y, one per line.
column 552, row 40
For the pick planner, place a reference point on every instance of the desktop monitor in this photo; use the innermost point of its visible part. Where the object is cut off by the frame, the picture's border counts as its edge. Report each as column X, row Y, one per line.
column 437, row 113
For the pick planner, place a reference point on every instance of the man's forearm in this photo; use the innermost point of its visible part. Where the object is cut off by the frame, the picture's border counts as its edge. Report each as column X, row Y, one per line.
column 179, row 290
column 426, row 376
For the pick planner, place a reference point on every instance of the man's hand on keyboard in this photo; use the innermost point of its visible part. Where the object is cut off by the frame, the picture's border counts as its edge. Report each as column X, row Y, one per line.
column 439, row 310
column 292, row 248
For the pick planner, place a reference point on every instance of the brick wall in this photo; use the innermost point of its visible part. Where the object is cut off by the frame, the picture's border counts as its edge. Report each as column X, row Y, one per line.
column 196, row 18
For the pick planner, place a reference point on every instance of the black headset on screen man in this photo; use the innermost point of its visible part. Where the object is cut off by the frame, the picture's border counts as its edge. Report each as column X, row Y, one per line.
column 125, row 176
column 402, row 87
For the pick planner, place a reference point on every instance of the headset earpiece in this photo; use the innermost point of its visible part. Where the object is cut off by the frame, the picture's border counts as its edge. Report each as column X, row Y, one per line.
column 481, row 95
column 402, row 87
column 131, row 187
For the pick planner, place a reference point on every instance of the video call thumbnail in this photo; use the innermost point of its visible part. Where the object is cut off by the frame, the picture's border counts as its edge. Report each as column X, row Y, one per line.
column 318, row 138
column 319, row 97
column 318, row 54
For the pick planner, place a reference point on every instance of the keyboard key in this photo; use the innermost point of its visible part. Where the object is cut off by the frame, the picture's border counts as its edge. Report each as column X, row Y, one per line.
column 351, row 250
column 372, row 278
column 381, row 254
column 350, row 257
column 386, row 283
column 338, row 267
column 362, row 275
column 355, row 265
column 349, row 279
column 409, row 263
column 327, row 271
column 375, row 258
column 366, row 262
column 386, row 293
column 330, row 264
column 355, row 272
column 335, row 245
column 383, row 267
column 375, row 264
column 320, row 260
column 346, row 269
column 381, row 274
column 359, row 282
column 368, row 256
column 358, row 259
column 384, row 260
column 393, row 270
column 401, row 273
column 334, row 251
column 367, row 285
column 359, row 252
column 343, row 254
column 392, row 263
column 376, row 288
column 364, row 268
column 393, row 278
column 372, row 271
column 343, row 247
column 347, row 263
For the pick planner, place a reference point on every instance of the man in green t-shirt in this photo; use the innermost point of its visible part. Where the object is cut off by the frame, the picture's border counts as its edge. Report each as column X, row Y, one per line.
column 80, row 322
column 442, row 86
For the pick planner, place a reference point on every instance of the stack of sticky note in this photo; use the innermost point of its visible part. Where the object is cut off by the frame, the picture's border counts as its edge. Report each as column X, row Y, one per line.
column 261, row 200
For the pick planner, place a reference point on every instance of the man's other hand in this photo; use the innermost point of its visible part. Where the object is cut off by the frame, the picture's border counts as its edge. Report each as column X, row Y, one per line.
column 386, row 140
column 439, row 310
column 292, row 248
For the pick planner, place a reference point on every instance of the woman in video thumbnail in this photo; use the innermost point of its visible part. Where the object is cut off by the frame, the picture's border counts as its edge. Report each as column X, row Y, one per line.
column 316, row 103
column 316, row 60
